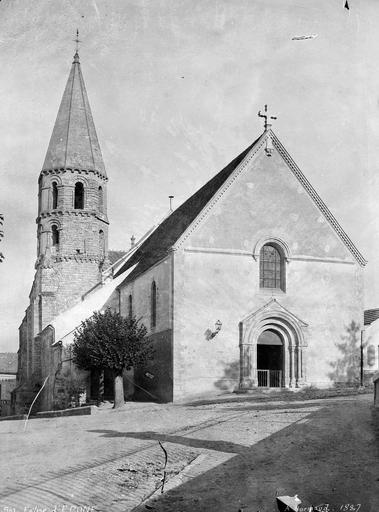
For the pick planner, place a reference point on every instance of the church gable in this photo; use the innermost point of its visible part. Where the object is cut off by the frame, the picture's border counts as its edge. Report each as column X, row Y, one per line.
column 267, row 197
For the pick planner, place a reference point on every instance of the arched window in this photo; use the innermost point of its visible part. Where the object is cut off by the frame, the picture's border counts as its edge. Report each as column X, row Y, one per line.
column 153, row 304
column 55, row 235
column 271, row 267
column 101, row 243
column 130, row 305
column 101, row 199
column 79, row 196
column 55, row 195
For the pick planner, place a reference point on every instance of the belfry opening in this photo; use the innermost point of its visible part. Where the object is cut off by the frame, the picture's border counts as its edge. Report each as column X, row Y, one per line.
column 270, row 359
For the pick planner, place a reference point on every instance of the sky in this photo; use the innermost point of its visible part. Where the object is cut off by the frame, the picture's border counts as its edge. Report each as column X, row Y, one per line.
column 175, row 87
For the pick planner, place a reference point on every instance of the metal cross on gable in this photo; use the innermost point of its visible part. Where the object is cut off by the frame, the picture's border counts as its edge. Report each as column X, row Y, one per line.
column 266, row 117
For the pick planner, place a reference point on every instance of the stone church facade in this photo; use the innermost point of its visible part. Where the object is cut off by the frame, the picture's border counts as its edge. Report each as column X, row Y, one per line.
column 252, row 282
column 249, row 283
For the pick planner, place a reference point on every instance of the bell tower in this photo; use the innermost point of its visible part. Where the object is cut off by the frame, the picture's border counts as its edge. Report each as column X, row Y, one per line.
column 72, row 232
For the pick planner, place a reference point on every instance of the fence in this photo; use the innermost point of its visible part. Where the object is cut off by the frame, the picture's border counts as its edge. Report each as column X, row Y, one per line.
column 269, row 378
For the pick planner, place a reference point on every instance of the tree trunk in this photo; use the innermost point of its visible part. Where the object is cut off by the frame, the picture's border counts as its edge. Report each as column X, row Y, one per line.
column 118, row 391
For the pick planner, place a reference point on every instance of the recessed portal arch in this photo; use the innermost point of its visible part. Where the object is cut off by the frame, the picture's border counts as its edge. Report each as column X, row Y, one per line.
column 272, row 339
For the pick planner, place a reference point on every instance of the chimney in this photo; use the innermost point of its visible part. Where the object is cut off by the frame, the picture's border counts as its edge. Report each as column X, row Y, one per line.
column 132, row 241
column 171, row 198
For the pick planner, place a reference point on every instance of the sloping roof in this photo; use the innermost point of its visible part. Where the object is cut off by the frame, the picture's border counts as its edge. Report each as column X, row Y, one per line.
column 8, row 362
column 74, row 142
column 169, row 231
column 114, row 256
column 370, row 315
column 157, row 245
column 66, row 323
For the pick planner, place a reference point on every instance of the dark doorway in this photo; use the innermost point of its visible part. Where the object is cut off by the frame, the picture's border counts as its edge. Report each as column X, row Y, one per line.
column 270, row 359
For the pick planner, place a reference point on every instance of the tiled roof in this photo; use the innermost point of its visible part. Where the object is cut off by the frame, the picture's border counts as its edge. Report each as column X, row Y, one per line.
column 74, row 142
column 370, row 315
column 8, row 362
column 164, row 237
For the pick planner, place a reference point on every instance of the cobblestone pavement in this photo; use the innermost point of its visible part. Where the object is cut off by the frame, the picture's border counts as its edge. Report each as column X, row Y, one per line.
column 113, row 462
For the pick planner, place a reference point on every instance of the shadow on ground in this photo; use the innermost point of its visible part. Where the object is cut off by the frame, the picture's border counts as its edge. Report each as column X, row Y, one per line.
column 330, row 458
column 221, row 446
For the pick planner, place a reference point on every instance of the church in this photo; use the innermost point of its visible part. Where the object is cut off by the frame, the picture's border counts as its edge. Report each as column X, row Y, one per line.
column 251, row 282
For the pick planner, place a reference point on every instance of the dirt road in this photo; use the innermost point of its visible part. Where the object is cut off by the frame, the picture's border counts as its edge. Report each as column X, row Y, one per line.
column 329, row 457
column 235, row 453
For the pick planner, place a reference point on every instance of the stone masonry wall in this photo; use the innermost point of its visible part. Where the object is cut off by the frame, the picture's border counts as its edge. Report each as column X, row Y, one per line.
column 217, row 278
column 157, row 377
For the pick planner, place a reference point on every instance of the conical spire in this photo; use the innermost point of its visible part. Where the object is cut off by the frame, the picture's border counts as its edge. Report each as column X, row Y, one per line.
column 74, row 142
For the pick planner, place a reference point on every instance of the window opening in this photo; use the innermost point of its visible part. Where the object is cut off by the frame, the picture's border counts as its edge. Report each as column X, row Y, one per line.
column 101, row 200
column 130, row 306
column 55, row 235
column 55, row 195
column 271, row 264
column 79, row 196
column 153, row 304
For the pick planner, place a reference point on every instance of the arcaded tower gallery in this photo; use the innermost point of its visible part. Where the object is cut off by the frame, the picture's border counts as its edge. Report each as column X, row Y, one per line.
column 72, row 232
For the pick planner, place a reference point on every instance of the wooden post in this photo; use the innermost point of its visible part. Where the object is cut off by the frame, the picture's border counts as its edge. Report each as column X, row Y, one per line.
column 101, row 386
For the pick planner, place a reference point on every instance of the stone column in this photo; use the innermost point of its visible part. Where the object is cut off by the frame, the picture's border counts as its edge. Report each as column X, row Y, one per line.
column 45, row 235
column 286, row 365
column 304, row 364
column 247, row 366
column 300, row 359
column 45, row 196
column 292, row 363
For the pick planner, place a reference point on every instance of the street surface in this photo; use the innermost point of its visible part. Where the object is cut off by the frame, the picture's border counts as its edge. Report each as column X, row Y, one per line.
column 233, row 453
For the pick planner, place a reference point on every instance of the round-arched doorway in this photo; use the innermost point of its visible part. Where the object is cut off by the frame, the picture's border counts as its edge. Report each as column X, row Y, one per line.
column 270, row 359
column 272, row 339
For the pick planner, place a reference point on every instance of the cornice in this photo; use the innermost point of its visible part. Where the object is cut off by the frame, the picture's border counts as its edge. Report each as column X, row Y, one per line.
column 64, row 170
column 78, row 258
column 317, row 200
column 71, row 212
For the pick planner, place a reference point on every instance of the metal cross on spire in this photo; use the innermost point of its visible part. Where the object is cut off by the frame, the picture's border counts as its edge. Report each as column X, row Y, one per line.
column 77, row 41
column 266, row 117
